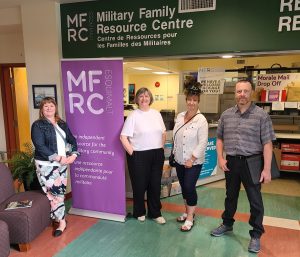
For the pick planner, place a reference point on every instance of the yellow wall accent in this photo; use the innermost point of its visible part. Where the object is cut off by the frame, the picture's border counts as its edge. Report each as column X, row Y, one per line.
column 165, row 96
column 21, row 90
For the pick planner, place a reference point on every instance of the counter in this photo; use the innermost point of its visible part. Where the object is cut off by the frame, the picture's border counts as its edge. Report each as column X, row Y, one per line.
column 287, row 136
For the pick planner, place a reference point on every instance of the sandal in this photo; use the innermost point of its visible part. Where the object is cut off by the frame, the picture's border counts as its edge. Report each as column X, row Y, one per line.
column 187, row 226
column 182, row 218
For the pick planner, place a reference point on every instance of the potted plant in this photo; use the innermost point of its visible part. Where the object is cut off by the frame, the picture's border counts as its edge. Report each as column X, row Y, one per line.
column 23, row 168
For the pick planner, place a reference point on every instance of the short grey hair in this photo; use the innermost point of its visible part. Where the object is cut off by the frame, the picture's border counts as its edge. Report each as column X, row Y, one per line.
column 141, row 91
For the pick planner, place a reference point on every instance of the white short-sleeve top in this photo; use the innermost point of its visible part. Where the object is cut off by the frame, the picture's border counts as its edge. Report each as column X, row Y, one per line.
column 144, row 129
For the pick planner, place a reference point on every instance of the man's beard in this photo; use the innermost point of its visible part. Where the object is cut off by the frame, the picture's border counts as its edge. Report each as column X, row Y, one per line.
column 243, row 101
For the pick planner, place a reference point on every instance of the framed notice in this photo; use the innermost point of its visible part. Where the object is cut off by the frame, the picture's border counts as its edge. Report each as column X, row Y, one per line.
column 41, row 91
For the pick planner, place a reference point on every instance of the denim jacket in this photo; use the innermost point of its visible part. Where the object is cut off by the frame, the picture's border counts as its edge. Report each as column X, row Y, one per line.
column 43, row 136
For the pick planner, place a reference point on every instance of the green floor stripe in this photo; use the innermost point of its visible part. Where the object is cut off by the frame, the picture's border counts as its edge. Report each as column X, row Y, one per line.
column 148, row 239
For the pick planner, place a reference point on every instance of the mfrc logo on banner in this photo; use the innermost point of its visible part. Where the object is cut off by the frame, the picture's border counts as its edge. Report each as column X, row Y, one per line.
column 76, row 99
column 93, row 93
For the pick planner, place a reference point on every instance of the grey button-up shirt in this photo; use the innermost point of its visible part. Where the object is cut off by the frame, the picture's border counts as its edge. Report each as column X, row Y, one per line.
column 247, row 133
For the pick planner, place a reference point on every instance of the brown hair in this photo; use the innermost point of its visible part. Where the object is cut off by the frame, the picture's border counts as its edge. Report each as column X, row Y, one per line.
column 47, row 100
column 246, row 81
column 192, row 87
column 143, row 90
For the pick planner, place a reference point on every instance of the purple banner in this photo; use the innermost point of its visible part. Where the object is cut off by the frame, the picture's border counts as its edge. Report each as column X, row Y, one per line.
column 93, row 95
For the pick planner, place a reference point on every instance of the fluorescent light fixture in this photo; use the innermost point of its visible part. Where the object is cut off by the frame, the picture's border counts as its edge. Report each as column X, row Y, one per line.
column 141, row 68
column 227, row 56
column 161, row 72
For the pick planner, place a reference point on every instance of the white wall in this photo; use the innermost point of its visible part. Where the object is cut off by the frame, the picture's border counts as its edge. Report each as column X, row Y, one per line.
column 11, row 37
column 11, row 46
column 42, row 48
column 10, row 16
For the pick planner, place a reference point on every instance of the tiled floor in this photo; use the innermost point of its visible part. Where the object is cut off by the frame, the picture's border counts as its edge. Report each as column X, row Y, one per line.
column 91, row 237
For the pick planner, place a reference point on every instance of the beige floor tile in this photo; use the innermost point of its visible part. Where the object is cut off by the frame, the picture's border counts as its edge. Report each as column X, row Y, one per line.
column 289, row 185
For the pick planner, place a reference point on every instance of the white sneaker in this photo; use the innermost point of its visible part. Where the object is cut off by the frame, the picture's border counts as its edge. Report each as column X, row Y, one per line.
column 142, row 218
column 160, row 220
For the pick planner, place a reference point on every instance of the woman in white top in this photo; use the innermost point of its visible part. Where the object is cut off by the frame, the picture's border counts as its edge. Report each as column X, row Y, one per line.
column 143, row 137
column 190, row 142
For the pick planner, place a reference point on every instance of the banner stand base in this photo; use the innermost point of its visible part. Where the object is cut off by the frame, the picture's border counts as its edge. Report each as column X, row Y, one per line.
column 96, row 214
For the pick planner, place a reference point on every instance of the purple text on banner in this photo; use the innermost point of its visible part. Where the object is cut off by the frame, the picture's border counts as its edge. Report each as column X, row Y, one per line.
column 93, row 95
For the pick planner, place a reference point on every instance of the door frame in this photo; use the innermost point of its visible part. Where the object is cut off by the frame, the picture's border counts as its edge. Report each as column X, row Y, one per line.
column 9, row 107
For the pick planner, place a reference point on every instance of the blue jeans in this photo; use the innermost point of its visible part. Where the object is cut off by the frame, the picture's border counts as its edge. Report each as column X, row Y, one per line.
column 187, row 179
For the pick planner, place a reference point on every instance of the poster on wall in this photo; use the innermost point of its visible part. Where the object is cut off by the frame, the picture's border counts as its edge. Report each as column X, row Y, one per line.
column 209, row 167
column 277, row 81
column 278, row 87
column 212, row 80
column 93, row 96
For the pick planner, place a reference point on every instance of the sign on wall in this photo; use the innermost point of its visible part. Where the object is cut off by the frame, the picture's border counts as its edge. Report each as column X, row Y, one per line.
column 277, row 81
column 212, row 80
column 178, row 27
column 209, row 166
column 93, row 96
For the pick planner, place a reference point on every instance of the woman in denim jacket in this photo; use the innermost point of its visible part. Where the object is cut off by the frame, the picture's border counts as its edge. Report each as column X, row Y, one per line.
column 55, row 148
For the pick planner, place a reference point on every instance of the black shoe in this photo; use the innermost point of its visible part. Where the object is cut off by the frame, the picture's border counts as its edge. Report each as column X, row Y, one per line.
column 221, row 230
column 59, row 232
column 254, row 245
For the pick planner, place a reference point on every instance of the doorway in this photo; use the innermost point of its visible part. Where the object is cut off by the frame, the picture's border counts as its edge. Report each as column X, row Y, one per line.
column 14, row 94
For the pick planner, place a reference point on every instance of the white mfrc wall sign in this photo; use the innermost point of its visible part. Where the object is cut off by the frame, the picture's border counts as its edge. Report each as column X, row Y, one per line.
column 212, row 80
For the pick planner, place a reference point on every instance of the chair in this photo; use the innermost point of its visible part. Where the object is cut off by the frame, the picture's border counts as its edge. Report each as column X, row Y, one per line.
column 24, row 224
column 4, row 242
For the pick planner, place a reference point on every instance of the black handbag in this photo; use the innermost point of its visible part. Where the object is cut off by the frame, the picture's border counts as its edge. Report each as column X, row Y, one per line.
column 172, row 161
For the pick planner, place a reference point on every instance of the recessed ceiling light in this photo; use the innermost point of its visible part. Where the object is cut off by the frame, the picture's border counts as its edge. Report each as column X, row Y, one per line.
column 227, row 56
column 141, row 68
column 161, row 72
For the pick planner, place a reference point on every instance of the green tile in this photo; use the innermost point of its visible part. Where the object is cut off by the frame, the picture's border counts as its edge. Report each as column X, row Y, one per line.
column 279, row 206
column 135, row 239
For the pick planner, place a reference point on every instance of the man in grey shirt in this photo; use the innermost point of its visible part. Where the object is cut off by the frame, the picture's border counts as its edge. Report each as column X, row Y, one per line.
column 243, row 131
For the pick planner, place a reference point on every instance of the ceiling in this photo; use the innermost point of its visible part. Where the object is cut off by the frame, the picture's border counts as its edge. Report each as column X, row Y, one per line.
column 169, row 66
